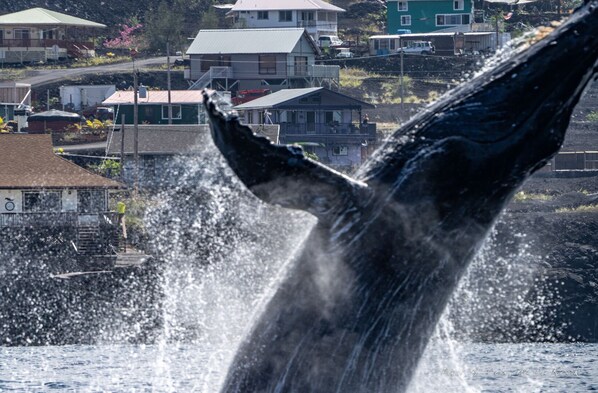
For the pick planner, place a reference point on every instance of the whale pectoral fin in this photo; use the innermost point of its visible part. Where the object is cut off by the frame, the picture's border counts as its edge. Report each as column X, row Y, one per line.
column 277, row 174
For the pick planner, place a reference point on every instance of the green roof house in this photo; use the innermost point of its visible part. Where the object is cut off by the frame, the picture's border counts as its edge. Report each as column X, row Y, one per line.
column 424, row 16
column 38, row 34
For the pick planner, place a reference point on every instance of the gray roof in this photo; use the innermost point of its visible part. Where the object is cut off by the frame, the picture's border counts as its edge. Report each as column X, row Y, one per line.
column 263, row 5
column 236, row 41
column 42, row 16
column 161, row 139
column 282, row 96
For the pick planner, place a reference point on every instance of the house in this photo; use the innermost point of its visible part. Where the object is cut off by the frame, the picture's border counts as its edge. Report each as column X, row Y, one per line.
column 244, row 59
column 162, row 151
column 78, row 97
column 14, row 95
column 38, row 34
column 187, row 107
column 330, row 124
column 424, row 16
column 444, row 43
column 316, row 16
column 43, row 193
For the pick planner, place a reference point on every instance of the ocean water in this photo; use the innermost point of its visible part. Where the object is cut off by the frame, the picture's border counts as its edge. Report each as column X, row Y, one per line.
column 186, row 368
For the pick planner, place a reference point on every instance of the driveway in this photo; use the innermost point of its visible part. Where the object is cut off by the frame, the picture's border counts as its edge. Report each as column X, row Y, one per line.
column 43, row 77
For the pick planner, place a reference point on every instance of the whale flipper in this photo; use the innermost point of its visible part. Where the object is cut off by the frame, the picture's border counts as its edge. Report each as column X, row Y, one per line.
column 282, row 175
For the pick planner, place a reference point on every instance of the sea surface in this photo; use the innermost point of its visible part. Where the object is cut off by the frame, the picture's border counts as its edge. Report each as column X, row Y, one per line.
column 186, row 368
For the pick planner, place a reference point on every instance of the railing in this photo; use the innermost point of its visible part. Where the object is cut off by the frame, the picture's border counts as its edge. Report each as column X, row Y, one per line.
column 55, row 219
column 43, row 43
column 325, row 71
column 329, row 130
column 213, row 73
column 306, row 23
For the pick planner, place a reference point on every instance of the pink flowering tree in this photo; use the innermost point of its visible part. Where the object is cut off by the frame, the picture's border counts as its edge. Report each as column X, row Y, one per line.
column 129, row 38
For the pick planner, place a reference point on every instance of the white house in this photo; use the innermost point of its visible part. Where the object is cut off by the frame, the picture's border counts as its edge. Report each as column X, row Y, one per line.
column 316, row 16
column 256, row 58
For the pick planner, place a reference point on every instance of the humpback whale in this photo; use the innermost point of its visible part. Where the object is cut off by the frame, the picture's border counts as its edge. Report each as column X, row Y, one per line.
column 358, row 305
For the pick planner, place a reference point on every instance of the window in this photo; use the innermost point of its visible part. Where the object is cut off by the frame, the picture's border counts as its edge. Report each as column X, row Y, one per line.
column 91, row 201
column 340, row 151
column 452, row 20
column 458, row 5
column 21, row 34
column 262, row 15
column 267, row 64
column 406, row 20
column 300, row 65
column 45, row 201
column 402, row 6
column 285, row 16
column 176, row 112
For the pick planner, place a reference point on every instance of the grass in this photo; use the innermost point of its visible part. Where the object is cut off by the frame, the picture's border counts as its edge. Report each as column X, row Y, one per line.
column 9, row 74
column 522, row 196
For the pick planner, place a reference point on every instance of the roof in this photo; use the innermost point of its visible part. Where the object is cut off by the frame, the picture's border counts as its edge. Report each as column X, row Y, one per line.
column 42, row 16
column 236, row 41
column 28, row 161
column 156, row 97
column 54, row 114
column 282, row 97
column 263, row 5
column 162, row 139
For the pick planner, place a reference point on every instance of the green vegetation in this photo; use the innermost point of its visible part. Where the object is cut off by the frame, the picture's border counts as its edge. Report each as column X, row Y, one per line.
column 108, row 168
column 375, row 87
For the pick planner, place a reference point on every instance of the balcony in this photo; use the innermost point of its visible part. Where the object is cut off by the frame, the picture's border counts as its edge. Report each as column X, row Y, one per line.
column 318, row 132
column 32, row 43
column 45, row 219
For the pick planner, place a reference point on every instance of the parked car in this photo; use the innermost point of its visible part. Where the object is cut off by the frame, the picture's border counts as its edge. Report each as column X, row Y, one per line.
column 326, row 41
column 419, row 47
column 344, row 53
column 248, row 95
column 98, row 112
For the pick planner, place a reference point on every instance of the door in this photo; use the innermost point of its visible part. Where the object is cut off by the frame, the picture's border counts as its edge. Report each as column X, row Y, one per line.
column 310, row 119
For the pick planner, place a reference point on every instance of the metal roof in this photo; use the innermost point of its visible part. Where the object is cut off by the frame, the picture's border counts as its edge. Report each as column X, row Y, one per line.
column 28, row 161
column 246, row 41
column 156, row 97
column 263, row 5
column 42, row 16
column 162, row 139
column 282, row 96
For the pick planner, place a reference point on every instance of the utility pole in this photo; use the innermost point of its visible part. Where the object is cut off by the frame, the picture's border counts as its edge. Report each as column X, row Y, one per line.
column 402, row 87
column 122, row 147
column 168, row 82
column 135, row 130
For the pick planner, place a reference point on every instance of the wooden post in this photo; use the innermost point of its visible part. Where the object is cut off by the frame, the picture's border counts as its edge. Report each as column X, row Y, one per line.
column 122, row 148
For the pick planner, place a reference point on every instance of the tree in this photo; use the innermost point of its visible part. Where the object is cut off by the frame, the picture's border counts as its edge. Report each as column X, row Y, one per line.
column 164, row 26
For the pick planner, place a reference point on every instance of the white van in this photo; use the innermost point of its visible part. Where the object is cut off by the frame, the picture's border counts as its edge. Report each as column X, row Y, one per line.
column 326, row 41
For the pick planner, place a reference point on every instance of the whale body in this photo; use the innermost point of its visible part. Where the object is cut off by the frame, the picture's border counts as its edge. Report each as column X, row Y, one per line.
column 358, row 305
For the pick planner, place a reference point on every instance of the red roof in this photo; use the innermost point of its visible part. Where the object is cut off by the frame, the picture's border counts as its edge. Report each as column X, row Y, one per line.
column 28, row 161
column 156, row 97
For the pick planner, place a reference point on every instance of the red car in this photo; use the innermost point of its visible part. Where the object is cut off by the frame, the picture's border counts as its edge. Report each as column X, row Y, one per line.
column 248, row 95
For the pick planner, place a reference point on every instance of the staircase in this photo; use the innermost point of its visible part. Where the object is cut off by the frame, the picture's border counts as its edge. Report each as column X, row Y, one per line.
column 213, row 73
column 87, row 240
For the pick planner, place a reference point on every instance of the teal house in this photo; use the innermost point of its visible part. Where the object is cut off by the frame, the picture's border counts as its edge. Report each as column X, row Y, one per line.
column 153, row 106
column 425, row 16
